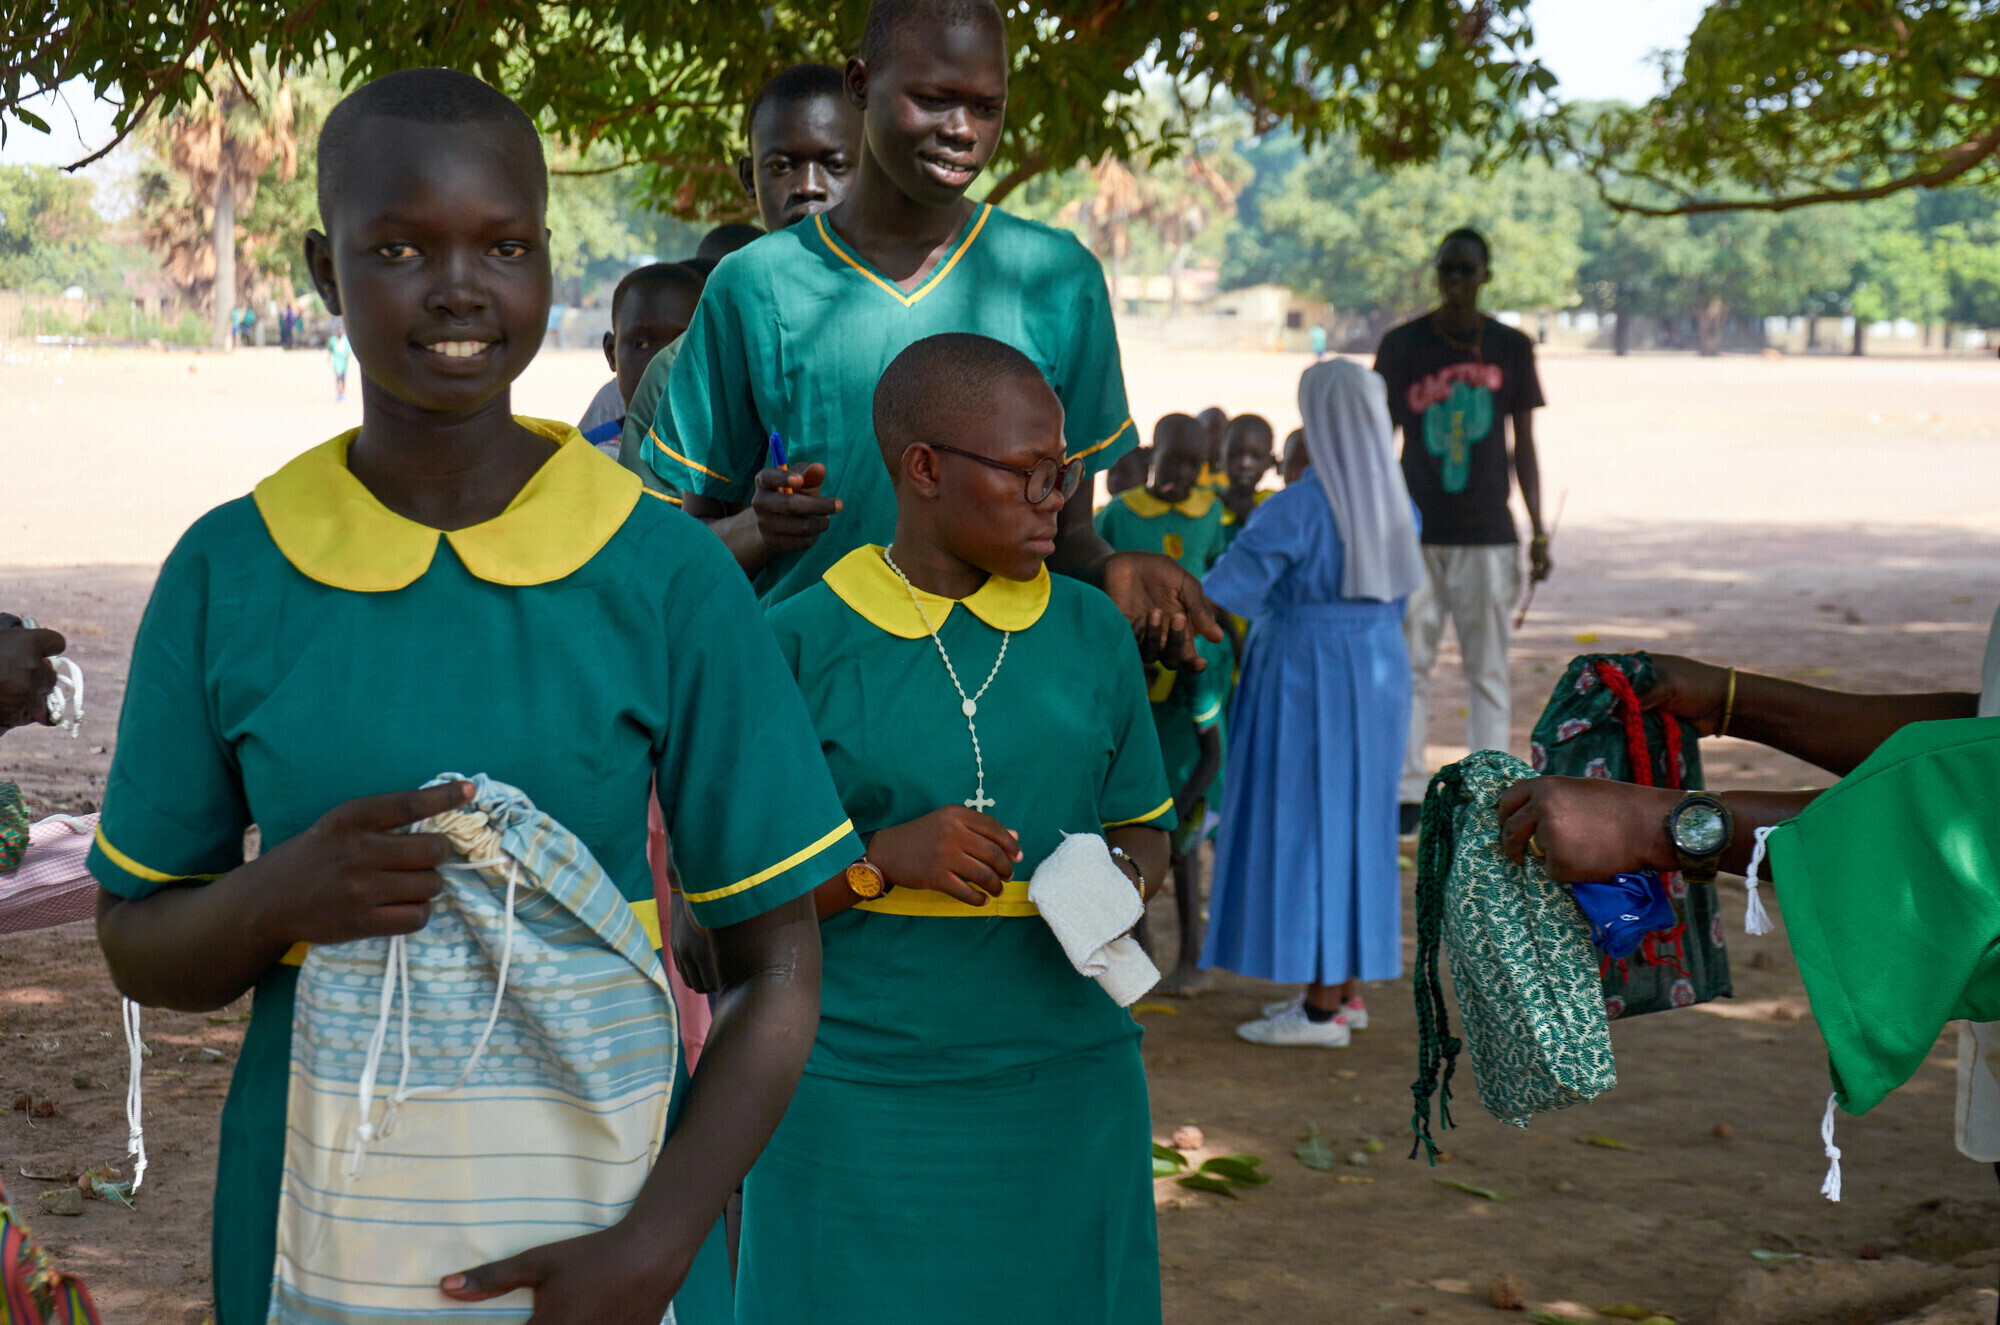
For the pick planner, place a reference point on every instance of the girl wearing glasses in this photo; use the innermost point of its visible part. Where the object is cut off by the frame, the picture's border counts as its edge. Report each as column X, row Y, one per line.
column 974, row 709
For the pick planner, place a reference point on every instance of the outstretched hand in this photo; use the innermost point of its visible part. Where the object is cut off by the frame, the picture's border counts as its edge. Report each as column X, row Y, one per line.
column 1165, row 605
column 791, row 515
column 611, row 1277
column 26, row 675
column 1587, row 828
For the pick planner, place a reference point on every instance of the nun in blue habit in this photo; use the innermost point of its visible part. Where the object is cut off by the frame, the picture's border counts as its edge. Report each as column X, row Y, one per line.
column 1305, row 886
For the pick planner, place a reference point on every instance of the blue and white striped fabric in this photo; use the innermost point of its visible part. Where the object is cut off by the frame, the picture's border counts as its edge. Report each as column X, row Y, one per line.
column 494, row 1082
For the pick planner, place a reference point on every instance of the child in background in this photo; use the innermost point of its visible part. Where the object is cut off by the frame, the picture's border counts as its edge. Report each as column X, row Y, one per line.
column 953, row 1028
column 1130, row 471
column 650, row 309
column 1296, row 459
column 1246, row 458
column 1175, row 515
column 1306, row 884
column 570, row 635
column 339, row 352
column 1214, row 422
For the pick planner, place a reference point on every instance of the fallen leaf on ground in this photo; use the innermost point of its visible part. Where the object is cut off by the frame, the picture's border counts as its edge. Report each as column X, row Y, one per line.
column 1606, row 1143
column 49, row 1177
column 1349, row 1177
column 1483, row 1193
column 1763, row 1255
column 1452, row 1285
column 1315, row 1153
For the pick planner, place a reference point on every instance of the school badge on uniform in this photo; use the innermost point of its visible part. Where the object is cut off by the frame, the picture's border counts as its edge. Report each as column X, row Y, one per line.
column 1173, row 545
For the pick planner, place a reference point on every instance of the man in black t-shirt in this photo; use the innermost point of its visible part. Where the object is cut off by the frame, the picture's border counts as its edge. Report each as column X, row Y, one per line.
column 1455, row 378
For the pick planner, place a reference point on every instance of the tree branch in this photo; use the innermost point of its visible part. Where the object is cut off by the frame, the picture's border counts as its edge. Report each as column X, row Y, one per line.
column 1031, row 165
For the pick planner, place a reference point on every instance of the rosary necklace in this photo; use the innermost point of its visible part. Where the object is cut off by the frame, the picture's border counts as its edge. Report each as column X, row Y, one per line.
column 967, row 704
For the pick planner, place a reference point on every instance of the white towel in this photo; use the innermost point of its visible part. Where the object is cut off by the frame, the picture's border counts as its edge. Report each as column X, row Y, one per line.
column 1091, row 906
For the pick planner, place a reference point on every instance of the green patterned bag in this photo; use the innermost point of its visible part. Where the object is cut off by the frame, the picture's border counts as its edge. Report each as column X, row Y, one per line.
column 1522, row 963
column 1592, row 727
column 13, row 827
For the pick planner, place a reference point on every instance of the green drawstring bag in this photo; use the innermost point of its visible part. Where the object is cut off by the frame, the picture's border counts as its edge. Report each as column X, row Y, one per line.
column 13, row 827
column 1593, row 727
column 1522, row 963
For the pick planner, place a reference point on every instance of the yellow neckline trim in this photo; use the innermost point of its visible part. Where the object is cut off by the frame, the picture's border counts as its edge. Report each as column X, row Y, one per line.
column 944, row 268
column 1257, row 498
column 865, row 583
column 1145, row 505
column 335, row 531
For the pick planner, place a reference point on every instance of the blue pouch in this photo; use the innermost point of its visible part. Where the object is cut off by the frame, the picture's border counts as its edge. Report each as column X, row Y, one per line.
column 1623, row 909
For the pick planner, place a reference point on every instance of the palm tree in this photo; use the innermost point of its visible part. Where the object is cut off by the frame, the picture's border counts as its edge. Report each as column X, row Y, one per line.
column 218, row 147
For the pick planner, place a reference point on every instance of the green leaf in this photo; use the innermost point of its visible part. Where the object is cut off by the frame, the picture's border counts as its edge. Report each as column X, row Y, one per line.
column 1483, row 1193
column 1169, row 1154
column 118, row 1193
column 1207, row 1182
column 1608, row 1143
column 1245, row 1170
column 1763, row 1255
column 1315, row 1153
column 1166, row 1168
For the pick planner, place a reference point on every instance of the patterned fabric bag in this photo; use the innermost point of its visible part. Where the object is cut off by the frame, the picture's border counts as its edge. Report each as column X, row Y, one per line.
column 1522, row 963
column 13, row 827
column 1592, row 727
column 494, row 1082
column 32, row 1290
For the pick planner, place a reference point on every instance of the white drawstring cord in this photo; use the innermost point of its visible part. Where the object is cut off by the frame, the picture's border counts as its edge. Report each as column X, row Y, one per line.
column 135, row 1131
column 1756, row 920
column 1830, row 1188
column 396, row 972
column 66, row 700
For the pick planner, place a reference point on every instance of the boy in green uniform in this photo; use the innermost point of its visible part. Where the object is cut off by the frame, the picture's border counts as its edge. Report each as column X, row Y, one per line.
column 1128, row 471
column 975, row 710
column 1246, row 458
column 649, row 310
column 804, row 140
column 451, row 587
column 793, row 334
column 1174, row 516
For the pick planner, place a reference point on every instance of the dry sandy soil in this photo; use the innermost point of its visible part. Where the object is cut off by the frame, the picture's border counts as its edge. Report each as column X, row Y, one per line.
column 1826, row 519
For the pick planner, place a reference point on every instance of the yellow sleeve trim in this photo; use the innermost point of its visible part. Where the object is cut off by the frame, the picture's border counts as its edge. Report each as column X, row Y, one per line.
column 131, row 866
column 1147, row 817
column 797, row 857
column 647, row 910
column 671, row 501
column 1093, row 450
column 659, row 445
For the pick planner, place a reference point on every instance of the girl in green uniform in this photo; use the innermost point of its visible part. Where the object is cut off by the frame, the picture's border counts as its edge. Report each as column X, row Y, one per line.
column 451, row 587
column 974, row 710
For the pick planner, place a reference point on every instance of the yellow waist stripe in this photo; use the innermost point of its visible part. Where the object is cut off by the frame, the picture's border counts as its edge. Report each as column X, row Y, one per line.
column 1012, row 901
column 648, row 912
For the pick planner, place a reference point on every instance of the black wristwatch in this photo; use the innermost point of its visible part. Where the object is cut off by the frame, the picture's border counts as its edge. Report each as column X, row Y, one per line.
column 1700, row 828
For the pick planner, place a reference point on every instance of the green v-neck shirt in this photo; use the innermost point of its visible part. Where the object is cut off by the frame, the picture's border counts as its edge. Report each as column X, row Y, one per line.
column 794, row 330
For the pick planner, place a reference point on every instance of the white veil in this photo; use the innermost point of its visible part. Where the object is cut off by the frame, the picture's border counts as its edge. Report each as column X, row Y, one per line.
column 1348, row 435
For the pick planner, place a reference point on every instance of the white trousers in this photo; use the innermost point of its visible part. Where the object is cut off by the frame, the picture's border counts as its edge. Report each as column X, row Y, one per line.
column 1478, row 587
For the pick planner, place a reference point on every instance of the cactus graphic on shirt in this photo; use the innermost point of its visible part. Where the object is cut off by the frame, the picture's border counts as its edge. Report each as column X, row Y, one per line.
column 1453, row 426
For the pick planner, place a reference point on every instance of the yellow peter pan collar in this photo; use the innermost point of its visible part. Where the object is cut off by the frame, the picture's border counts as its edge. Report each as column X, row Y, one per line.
column 865, row 583
column 1194, row 505
column 335, row 531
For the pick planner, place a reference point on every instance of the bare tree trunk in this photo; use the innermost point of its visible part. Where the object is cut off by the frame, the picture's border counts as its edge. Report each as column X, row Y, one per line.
column 1708, row 324
column 1174, row 277
column 1812, row 331
column 1621, row 325
column 1860, row 337
column 225, row 260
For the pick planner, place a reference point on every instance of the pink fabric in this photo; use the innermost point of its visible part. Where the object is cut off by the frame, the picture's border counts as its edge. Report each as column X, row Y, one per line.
column 51, row 887
column 693, row 1007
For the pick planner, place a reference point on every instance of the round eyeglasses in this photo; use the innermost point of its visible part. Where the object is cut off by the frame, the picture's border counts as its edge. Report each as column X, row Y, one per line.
column 1039, row 480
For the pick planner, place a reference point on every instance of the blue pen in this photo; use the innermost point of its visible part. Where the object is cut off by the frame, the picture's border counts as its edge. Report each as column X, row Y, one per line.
column 778, row 460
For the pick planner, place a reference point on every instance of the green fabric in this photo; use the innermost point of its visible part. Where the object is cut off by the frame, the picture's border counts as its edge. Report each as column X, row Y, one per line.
column 13, row 827
column 1582, row 733
column 1522, row 964
column 1890, row 886
column 1021, row 1197
column 639, row 413
column 259, row 696
column 1194, row 541
column 945, row 1041
column 793, row 332
column 1195, row 704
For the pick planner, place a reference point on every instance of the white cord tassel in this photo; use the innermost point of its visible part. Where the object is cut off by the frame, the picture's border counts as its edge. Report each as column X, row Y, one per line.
column 66, row 700
column 1830, row 1188
column 1756, row 920
column 135, row 1131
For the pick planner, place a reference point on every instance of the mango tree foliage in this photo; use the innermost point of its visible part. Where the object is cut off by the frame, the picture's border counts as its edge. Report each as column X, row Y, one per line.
column 664, row 84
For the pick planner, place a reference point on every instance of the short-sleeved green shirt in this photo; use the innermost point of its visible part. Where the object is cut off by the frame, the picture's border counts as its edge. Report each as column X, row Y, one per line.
column 306, row 646
column 793, row 332
column 1189, row 531
column 917, row 986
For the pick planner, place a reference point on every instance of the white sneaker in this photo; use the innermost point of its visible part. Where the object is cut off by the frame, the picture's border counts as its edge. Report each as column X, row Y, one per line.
column 1354, row 1010
column 1295, row 1028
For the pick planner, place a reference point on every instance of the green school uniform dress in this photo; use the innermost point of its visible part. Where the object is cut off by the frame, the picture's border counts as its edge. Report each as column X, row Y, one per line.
column 1231, row 526
column 306, row 645
column 1189, row 531
column 961, row 1060
column 793, row 332
column 1184, row 705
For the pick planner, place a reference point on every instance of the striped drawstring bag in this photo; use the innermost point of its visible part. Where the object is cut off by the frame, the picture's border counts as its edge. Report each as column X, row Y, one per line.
column 497, row 1081
column 1522, row 963
column 32, row 1290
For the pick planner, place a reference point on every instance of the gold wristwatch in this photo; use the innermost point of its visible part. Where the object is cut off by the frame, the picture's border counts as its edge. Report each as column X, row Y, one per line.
column 866, row 880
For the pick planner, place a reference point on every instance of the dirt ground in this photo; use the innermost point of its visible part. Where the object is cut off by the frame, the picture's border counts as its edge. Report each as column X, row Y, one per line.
column 1829, row 520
